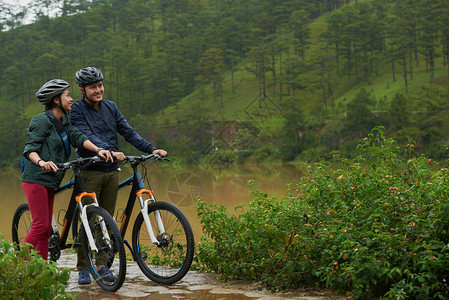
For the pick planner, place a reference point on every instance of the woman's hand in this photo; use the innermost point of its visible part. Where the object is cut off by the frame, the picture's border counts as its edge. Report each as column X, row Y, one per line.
column 48, row 165
column 106, row 155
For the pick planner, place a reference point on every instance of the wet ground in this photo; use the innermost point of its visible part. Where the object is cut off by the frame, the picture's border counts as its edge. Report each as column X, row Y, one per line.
column 193, row 286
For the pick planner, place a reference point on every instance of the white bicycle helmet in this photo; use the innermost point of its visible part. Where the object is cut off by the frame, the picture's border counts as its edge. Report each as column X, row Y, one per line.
column 51, row 89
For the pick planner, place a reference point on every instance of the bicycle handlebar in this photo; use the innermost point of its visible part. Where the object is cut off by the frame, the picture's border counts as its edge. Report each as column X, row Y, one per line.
column 79, row 162
column 142, row 158
column 88, row 160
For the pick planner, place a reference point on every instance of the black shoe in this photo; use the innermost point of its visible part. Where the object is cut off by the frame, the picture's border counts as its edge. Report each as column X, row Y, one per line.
column 106, row 274
column 84, row 277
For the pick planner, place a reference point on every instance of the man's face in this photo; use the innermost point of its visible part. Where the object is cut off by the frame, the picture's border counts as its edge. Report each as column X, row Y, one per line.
column 94, row 91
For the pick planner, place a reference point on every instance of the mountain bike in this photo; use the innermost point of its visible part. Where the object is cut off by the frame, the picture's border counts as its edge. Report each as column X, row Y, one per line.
column 162, row 238
column 99, row 231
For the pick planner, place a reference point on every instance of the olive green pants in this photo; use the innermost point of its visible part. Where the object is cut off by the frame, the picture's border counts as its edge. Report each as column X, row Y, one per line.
column 105, row 186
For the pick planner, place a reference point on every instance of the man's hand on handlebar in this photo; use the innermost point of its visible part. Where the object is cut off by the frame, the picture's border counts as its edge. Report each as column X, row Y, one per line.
column 161, row 152
column 106, row 155
column 119, row 156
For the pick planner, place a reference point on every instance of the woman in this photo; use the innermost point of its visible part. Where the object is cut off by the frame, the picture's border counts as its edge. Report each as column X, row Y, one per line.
column 44, row 148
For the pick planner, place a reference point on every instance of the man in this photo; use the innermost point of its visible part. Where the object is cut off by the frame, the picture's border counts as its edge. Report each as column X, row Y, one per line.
column 100, row 120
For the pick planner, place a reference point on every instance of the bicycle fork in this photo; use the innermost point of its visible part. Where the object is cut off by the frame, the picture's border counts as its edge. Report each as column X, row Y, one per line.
column 83, row 209
column 146, row 218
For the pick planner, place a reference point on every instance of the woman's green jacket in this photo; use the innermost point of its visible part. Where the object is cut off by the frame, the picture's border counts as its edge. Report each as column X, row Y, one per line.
column 45, row 140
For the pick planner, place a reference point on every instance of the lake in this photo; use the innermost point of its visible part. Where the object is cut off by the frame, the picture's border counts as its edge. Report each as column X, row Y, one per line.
column 179, row 185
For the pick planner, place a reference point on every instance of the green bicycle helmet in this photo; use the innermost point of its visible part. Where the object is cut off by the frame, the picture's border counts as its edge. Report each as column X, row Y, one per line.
column 87, row 76
column 51, row 89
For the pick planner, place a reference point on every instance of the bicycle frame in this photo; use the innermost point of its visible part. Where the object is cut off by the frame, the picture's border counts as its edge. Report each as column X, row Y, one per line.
column 137, row 191
column 79, row 192
column 68, row 216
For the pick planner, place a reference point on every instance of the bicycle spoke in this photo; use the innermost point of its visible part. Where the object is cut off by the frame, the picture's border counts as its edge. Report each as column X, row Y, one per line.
column 169, row 261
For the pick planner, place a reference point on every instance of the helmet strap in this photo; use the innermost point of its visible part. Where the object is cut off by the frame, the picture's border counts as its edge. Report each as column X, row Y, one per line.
column 60, row 105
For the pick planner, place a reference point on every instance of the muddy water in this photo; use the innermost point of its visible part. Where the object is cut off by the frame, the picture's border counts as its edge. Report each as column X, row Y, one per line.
column 226, row 186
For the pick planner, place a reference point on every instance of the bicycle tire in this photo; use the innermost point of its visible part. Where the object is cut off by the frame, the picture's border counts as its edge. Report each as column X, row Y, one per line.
column 170, row 261
column 76, row 229
column 115, row 249
column 21, row 224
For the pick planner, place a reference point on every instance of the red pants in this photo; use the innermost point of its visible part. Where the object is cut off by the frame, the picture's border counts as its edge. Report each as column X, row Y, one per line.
column 40, row 200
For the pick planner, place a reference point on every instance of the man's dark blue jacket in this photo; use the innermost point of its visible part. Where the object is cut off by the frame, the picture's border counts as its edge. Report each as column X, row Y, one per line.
column 101, row 127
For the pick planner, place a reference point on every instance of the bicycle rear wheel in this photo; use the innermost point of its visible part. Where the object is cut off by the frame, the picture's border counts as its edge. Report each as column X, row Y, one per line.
column 169, row 261
column 111, row 250
column 21, row 224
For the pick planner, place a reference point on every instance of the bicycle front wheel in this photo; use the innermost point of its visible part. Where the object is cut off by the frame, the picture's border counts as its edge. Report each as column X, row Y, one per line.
column 170, row 260
column 21, row 224
column 110, row 250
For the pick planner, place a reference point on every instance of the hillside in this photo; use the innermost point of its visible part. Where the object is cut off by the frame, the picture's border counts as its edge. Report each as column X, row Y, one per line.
column 290, row 80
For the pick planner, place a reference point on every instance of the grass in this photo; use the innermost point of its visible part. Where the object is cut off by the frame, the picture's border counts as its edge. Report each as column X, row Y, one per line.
column 383, row 86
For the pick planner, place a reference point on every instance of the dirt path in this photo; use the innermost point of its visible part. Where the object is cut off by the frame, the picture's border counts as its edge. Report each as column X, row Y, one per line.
column 193, row 286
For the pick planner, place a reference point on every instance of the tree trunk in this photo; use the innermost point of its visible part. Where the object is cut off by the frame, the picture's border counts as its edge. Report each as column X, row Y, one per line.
column 273, row 66
column 221, row 95
column 323, row 86
column 432, row 67
column 263, row 79
column 447, row 60
column 130, row 100
column 416, row 56
column 349, row 61
column 215, row 90
column 337, row 57
column 392, row 70
column 411, row 64
column 280, row 77
column 365, row 66
column 404, row 63
column 329, row 83
column 355, row 63
column 117, row 86
column 232, row 79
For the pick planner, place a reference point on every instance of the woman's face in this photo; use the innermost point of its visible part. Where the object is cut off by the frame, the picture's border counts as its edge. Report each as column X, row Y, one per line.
column 66, row 100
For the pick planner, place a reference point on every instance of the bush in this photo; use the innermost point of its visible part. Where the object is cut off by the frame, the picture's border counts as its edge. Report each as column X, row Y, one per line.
column 376, row 226
column 25, row 275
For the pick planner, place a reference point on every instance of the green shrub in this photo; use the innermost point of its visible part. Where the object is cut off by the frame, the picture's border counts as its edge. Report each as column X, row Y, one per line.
column 25, row 275
column 376, row 226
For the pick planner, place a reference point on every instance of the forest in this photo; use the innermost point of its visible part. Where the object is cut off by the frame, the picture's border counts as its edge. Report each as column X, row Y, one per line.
column 236, row 80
